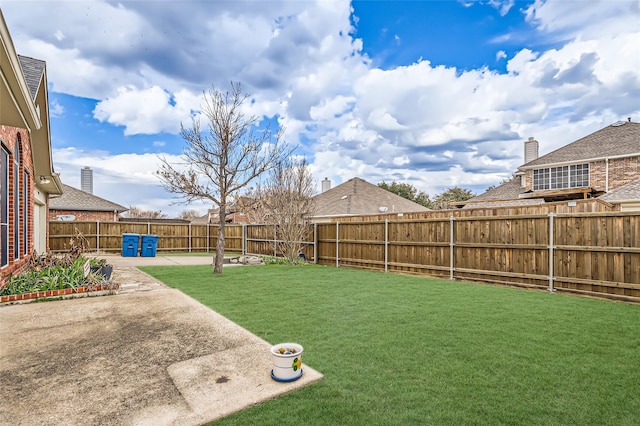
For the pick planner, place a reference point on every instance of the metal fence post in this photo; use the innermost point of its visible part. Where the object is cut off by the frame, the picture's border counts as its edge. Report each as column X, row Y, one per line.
column 386, row 245
column 337, row 244
column 551, row 246
column 244, row 238
column 315, row 243
column 451, row 247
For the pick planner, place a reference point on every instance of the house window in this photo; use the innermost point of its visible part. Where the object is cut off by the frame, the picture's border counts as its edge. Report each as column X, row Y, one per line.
column 575, row 176
column 4, row 206
column 25, row 214
column 16, row 199
column 540, row 179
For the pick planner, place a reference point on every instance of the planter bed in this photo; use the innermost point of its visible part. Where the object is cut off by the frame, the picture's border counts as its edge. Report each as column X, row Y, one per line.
column 69, row 292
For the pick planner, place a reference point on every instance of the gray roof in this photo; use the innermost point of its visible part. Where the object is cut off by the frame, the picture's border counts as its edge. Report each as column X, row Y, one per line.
column 505, row 195
column 619, row 139
column 628, row 192
column 32, row 70
column 75, row 199
column 359, row 197
column 507, row 191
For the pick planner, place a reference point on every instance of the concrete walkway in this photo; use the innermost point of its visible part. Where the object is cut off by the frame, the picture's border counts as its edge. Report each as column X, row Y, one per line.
column 147, row 356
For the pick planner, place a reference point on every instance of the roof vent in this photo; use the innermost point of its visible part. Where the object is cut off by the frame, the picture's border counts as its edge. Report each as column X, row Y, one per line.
column 618, row 124
column 383, row 209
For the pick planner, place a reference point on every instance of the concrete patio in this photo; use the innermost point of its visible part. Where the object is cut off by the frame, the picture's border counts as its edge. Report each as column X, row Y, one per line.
column 147, row 356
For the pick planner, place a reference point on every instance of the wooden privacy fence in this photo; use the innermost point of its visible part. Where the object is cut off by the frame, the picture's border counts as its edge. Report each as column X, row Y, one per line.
column 595, row 253
column 172, row 237
column 107, row 237
column 589, row 253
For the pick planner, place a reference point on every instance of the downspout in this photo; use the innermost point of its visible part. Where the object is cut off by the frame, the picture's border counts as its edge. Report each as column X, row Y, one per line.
column 606, row 175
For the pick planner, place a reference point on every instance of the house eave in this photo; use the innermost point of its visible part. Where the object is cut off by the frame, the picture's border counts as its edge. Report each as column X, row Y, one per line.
column 581, row 161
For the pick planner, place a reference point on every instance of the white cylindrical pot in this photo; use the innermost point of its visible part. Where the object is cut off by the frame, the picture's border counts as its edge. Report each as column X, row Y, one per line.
column 287, row 362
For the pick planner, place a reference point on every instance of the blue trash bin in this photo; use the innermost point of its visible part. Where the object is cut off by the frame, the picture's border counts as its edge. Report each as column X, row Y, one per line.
column 130, row 245
column 149, row 245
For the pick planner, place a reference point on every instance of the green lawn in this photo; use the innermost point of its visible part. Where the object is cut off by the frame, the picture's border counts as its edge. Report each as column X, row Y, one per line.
column 400, row 349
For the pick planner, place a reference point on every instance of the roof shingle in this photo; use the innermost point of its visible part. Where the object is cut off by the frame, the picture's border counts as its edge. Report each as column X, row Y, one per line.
column 75, row 199
column 359, row 197
column 32, row 70
column 621, row 138
column 628, row 192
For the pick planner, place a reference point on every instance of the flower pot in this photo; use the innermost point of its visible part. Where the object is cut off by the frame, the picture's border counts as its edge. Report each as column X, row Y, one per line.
column 104, row 270
column 287, row 362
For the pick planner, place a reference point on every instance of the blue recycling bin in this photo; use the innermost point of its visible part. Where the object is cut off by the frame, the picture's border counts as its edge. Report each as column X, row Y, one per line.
column 149, row 245
column 130, row 245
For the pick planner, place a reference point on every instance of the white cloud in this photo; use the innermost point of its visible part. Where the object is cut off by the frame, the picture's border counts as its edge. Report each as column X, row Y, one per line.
column 433, row 126
column 147, row 111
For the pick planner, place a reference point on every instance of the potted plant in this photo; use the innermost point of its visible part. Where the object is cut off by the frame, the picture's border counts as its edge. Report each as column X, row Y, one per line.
column 101, row 267
column 287, row 362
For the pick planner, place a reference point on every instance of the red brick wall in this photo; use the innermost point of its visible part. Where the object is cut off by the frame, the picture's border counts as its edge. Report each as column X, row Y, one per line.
column 8, row 136
column 81, row 215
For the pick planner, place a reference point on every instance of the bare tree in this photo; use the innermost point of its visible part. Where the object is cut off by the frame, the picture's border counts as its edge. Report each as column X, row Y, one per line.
column 225, row 158
column 137, row 212
column 189, row 214
column 286, row 201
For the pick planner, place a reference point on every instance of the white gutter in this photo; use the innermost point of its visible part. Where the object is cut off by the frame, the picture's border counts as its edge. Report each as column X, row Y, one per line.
column 586, row 160
column 606, row 175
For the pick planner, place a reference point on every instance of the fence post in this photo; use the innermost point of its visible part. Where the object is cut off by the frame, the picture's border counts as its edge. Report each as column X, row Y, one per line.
column 315, row 243
column 208, row 225
column 275, row 240
column 97, row 236
column 148, row 227
column 451, row 247
column 189, row 237
column 337, row 244
column 551, row 246
column 386, row 245
column 244, row 238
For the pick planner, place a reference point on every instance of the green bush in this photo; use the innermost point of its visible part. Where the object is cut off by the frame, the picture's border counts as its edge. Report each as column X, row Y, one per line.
column 52, row 278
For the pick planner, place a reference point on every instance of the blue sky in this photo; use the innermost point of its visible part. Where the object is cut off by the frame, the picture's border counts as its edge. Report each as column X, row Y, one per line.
column 433, row 93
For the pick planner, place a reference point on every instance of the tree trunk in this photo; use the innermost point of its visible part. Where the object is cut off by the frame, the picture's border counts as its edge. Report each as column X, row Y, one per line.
column 217, row 264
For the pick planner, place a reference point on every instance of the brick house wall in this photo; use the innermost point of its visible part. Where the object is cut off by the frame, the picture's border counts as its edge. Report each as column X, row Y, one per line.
column 8, row 137
column 621, row 172
column 83, row 215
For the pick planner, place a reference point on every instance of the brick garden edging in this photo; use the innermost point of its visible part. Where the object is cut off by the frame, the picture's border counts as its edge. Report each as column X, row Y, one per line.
column 57, row 293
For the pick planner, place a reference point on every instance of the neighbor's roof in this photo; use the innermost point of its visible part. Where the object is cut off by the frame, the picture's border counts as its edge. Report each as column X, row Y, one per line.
column 628, row 192
column 32, row 70
column 359, row 197
column 505, row 195
column 75, row 199
column 507, row 191
column 619, row 139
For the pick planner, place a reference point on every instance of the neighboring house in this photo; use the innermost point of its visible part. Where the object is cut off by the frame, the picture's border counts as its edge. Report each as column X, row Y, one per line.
column 77, row 205
column 235, row 215
column 627, row 197
column 590, row 167
column 357, row 197
column 27, row 176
